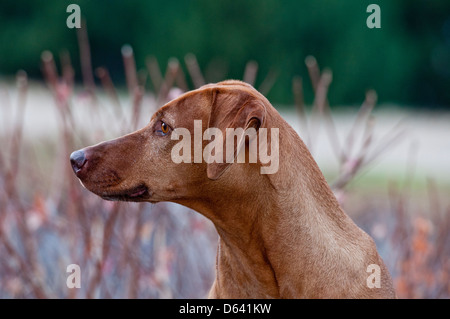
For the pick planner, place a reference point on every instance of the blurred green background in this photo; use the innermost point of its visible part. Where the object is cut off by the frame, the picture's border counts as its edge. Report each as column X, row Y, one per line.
column 407, row 61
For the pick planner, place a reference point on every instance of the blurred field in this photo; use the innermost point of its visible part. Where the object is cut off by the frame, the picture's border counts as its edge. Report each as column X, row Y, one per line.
column 389, row 169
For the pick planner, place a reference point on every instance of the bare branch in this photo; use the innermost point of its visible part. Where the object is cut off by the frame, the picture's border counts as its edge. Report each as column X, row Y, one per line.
column 194, row 70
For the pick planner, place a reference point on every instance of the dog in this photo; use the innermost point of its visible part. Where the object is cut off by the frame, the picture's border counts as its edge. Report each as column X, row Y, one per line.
column 281, row 234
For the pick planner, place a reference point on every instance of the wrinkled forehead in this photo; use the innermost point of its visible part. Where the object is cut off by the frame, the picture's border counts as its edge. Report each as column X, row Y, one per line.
column 196, row 104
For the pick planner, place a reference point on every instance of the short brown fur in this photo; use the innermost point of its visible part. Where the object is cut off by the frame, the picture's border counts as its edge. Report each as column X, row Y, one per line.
column 281, row 235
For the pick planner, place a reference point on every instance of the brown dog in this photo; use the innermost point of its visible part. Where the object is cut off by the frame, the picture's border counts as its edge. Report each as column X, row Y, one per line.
column 282, row 234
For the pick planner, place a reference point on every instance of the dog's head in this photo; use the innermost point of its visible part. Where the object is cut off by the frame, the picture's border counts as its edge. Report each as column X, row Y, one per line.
column 167, row 160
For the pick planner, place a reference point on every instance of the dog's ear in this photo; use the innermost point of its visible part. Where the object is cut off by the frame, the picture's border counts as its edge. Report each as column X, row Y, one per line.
column 233, row 108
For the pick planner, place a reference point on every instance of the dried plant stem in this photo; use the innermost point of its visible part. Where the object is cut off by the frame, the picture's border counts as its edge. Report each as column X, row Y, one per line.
column 137, row 107
column 130, row 69
column 320, row 83
column 313, row 70
column 134, row 89
column 268, row 82
column 16, row 138
column 155, row 72
column 433, row 197
column 106, row 244
column 364, row 111
column 85, row 58
column 318, row 107
column 6, row 125
column 350, row 168
column 133, row 259
column 250, row 72
column 180, row 80
column 28, row 264
column 299, row 100
column 194, row 70
column 25, row 272
column 68, row 74
column 108, row 86
column 386, row 142
column 169, row 78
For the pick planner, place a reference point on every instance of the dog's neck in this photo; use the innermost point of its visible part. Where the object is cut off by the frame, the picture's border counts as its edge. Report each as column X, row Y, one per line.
column 262, row 230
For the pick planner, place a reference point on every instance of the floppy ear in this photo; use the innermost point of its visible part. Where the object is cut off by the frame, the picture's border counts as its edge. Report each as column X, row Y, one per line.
column 233, row 108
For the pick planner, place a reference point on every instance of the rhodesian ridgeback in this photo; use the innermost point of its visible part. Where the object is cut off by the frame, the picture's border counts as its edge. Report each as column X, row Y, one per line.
column 282, row 233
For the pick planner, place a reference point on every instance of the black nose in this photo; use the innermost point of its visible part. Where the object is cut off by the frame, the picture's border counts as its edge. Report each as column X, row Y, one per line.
column 77, row 159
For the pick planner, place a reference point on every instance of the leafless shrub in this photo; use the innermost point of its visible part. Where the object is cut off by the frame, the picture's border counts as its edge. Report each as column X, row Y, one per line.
column 128, row 250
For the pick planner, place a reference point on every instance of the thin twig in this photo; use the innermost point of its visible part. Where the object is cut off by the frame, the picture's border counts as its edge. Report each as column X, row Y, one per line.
column 180, row 79
column 350, row 168
column 169, row 79
column 67, row 71
column 137, row 106
column 250, row 72
column 130, row 69
column 25, row 272
column 320, row 100
column 297, row 89
column 155, row 72
column 194, row 70
column 133, row 258
column 108, row 86
column 268, row 82
column 85, row 58
column 313, row 70
column 386, row 142
column 106, row 244
column 364, row 111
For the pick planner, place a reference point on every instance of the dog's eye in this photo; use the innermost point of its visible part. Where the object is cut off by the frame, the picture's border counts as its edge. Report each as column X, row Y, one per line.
column 162, row 128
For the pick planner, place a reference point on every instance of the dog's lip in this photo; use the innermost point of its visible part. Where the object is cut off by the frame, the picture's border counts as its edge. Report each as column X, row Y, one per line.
column 137, row 193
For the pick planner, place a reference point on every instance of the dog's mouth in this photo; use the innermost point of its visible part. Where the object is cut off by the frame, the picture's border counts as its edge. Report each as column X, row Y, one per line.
column 136, row 194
